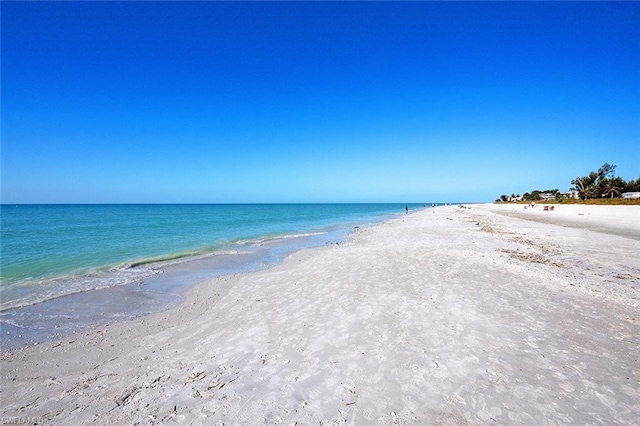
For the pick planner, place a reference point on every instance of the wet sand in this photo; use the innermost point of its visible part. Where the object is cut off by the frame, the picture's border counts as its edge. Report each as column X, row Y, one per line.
column 447, row 316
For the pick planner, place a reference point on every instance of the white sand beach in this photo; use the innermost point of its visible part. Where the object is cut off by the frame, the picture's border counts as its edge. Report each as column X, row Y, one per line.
column 615, row 220
column 447, row 316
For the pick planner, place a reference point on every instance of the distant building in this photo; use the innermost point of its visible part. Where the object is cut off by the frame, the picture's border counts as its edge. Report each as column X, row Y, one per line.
column 511, row 199
column 546, row 196
column 631, row 195
column 572, row 194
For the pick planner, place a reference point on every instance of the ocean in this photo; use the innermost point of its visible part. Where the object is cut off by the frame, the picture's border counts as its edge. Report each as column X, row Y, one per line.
column 64, row 268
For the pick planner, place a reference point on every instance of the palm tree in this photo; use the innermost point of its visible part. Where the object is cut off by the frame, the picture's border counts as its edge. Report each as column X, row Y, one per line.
column 612, row 187
column 586, row 185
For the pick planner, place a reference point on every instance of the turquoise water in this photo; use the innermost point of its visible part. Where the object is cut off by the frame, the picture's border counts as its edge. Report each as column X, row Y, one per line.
column 49, row 251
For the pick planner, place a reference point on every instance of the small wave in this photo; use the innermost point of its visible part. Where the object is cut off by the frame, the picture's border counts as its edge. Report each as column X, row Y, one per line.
column 278, row 238
column 175, row 259
column 32, row 292
column 166, row 258
column 40, row 291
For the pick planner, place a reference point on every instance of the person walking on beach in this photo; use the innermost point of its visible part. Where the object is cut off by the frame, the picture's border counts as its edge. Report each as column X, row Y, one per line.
column 406, row 209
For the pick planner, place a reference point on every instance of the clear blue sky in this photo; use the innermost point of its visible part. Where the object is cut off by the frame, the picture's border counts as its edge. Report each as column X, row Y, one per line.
column 314, row 102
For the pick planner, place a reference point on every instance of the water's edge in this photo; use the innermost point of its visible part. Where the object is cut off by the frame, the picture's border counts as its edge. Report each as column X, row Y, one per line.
column 163, row 289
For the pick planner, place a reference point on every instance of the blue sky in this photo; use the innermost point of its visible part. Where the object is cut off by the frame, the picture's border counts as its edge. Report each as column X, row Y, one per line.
column 144, row 102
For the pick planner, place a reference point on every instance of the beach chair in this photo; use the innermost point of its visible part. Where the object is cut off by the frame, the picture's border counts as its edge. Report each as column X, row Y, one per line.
column 552, row 208
column 546, row 208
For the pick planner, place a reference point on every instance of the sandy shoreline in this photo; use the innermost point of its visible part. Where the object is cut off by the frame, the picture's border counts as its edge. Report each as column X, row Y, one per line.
column 446, row 316
column 615, row 220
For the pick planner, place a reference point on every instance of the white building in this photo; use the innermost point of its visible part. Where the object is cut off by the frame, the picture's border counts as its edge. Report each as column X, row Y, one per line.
column 547, row 196
column 631, row 195
column 572, row 194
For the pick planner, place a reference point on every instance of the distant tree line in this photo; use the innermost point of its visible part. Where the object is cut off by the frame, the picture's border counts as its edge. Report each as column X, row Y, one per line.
column 603, row 183
column 600, row 184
